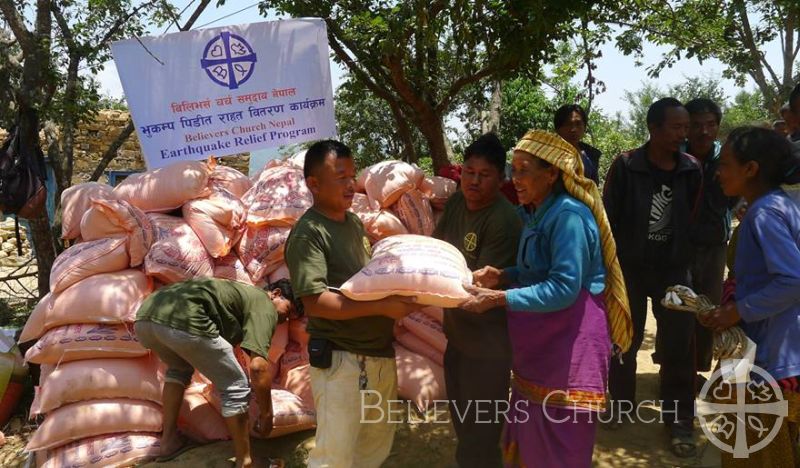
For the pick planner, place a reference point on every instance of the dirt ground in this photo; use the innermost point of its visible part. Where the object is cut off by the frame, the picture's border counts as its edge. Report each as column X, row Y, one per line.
column 423, row 445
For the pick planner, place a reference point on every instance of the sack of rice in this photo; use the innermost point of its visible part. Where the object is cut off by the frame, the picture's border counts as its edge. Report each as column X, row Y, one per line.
column 411, row 265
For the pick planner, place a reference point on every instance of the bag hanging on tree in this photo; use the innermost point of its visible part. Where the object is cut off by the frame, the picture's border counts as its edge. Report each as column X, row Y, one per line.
column 22, row 178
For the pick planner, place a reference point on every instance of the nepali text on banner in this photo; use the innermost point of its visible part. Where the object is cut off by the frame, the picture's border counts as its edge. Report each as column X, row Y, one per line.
column 228, row 90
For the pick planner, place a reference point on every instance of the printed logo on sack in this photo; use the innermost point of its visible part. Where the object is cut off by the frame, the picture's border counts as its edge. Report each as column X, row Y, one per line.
column 228, row 60
column 729, row 412
column 470, row 241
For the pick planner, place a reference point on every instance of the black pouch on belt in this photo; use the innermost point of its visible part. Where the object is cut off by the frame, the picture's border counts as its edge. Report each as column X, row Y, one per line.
column 320, row 352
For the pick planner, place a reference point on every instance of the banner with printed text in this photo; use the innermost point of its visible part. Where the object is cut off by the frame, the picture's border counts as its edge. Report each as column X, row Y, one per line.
column 228, row 90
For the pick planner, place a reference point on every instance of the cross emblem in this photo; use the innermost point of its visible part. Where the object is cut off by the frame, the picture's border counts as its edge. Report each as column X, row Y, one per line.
column 228, row 60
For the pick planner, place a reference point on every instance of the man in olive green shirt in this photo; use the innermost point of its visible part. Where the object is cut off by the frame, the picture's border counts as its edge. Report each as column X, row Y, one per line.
column 355, row 377
column 485, row 227
column 194, row 324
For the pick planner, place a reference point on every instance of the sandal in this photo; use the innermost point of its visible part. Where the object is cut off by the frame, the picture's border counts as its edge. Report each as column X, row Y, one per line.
column 187, row 445
column 682, row 442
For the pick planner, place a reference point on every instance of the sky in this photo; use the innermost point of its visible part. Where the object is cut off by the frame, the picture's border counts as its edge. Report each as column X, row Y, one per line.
column 619, row 72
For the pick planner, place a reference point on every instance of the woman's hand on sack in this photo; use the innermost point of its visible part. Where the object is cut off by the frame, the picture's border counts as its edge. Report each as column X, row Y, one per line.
column 487, row 277
column 482, row 299
column 721, row 318
column 397, row 307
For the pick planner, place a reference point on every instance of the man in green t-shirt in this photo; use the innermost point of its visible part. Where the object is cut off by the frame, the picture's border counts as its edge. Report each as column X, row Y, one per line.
column 194, row 324
column 485, row 227
column 353, row 373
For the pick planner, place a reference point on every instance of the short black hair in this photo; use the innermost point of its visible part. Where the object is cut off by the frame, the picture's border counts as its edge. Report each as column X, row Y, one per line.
column 702, row 106
column 657, row 112
column 794, row 99
column 285, row 287
column 564, row 112
column 773, row 153
column 316, row 154
column 488, row 147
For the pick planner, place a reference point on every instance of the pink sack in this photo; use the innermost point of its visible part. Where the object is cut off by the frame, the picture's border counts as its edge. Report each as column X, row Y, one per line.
column 261, row 249
column 282, row 272
column 298, row 381
column 419, row 379
column 218, row 221
column 86, row 259
column 167, row 188
column 124, row 449
column 290, row 414
column 378, row 224
column 85, row 341
column 295, row 355
column 388, row 180
column 297, row 331
column 409, row 265
column 118, row 218
column 278, row 344
column 415, row 211
column 230, row 267
column 200, row 420
column 278, row 198
column 103, row 298
column 75, row 201
column 93, row 418
column 419, row 346
column 94, row 379
column 438, row 187
column 177, row 254
column 230, row 179
column 427, row 329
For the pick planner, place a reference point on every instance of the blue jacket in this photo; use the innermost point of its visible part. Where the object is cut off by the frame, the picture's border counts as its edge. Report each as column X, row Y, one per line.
column 559, row 253
column 768, row 282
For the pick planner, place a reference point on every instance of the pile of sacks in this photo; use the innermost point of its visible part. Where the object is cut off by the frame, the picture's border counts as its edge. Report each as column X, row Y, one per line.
column 394, row 198
column 394, row 204
column 100, row 390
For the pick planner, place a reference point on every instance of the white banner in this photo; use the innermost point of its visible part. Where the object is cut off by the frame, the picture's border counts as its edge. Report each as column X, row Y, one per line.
column 222, row 91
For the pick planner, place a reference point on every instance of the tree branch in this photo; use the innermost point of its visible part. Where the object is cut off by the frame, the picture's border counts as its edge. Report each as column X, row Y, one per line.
column 121, row 22
column 111, row 152
column 195, row 15
column 26, row 40
column 362, row 75
column 61, row 21
column 459, row 84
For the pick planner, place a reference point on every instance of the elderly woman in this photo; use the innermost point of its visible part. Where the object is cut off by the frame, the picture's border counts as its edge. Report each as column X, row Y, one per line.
column 561, row 325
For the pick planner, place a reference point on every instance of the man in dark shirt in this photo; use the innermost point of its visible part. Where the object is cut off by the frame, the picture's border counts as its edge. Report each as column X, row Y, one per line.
column 712, row 228
column 651, row 195
column 485, row 227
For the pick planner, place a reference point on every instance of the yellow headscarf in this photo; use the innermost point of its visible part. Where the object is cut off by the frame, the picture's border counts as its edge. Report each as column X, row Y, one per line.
column 556, row 151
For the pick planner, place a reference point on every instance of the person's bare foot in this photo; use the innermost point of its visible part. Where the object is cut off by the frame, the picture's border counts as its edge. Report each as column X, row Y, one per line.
column 171, row 445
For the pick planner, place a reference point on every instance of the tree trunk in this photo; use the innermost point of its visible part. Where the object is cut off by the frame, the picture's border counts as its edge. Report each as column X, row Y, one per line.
column 409, row 152
column 432, row 129
column 40, row 235
column 491, row 120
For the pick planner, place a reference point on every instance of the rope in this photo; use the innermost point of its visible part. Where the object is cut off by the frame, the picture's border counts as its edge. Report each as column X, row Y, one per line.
column 728, row 344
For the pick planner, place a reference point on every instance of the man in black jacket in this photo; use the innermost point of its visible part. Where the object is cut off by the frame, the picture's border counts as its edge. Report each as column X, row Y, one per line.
column 651, row 195
column 713, row 227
